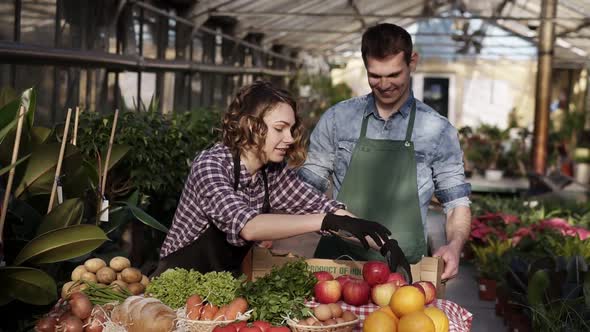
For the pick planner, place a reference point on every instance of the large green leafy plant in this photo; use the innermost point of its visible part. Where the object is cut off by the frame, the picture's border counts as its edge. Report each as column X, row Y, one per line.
column 33, row 240
column 162, row 149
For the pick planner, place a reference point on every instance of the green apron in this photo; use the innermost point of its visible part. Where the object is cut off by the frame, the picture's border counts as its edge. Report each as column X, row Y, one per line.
column 380, row 185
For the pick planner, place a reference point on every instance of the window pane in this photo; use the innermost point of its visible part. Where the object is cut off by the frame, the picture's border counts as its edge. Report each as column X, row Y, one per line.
column 7, row 20
column 38, row 22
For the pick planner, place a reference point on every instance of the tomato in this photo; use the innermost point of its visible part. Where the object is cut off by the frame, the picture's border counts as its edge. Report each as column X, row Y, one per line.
column 278, row 329
column 262, row 325
column 226, row 328
column 238, row 325
column 250, row 329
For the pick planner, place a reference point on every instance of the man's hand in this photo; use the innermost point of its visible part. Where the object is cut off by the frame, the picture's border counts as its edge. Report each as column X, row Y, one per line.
column 450, row 254
column 359, row 228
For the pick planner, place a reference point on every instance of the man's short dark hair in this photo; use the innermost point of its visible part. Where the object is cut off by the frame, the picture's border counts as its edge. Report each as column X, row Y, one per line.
column 386, row 39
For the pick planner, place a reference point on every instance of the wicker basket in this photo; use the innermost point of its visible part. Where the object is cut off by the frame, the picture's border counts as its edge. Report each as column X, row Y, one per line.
column 200, row 325
column 183, row 324
column 341, row 327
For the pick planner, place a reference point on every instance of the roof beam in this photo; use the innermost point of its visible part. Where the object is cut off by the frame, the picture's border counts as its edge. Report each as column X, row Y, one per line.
column 580, row 26
column 395, row 16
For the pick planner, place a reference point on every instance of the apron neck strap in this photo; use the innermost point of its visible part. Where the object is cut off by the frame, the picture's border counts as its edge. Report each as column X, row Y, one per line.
column 408, row 130
column 266, row 203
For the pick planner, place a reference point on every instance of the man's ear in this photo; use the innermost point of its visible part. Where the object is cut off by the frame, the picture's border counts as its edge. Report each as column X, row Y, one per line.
column 414, row 61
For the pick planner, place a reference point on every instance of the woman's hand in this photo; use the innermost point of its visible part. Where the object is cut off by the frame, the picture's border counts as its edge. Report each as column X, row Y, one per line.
column 265, row 244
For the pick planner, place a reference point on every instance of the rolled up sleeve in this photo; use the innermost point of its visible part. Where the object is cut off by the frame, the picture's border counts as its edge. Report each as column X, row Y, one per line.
column 448, row 172
column 221, row 203
column 320, row 157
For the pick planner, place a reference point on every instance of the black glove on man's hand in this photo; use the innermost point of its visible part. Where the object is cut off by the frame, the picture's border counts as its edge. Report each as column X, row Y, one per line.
column 359, row 228
column 396, row 259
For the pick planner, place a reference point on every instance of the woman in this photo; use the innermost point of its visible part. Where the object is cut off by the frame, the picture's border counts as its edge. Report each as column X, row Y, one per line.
column 233, row 187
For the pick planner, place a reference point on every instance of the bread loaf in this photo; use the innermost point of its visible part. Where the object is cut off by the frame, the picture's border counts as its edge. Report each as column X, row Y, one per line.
column 144, row 314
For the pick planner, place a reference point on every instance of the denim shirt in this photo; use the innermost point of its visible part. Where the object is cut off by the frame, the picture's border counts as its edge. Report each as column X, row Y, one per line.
column 439, row 157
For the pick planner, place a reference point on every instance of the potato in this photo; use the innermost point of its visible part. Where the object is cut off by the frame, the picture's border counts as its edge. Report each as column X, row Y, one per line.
column 336, row 310
column 136, row 288
column 67, row 289
column 131, row 275
column 119, row 263
column 88, row 276
column 145, row 281
column 119, row 276
column 94, row 264
column 119, row 285
column 72, row 287
column 106, row 275
column 322, row 312
column 77, row 272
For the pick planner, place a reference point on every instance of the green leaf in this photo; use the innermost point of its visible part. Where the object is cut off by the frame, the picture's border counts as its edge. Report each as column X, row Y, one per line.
column 7, row 129
column 6, row 169
column 586, row 289
column 146, row 218
column 28, row 285
column 537, row 287
column 61, row 244
column 66, row 214
column 40, row 169
column 40, row 134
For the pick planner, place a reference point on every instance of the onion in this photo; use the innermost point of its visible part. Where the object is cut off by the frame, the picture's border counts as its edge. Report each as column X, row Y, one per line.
column 46, row 324
column 81, row 306
column 95, row 323
column 71, row 324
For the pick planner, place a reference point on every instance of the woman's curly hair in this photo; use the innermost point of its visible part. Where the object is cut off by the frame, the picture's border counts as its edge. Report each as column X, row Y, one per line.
column 243, row 126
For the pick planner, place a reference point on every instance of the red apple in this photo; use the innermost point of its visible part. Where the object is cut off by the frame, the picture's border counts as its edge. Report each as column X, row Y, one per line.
column 327, row 291
column 356, row 292
column 417, row 285
column 323, row 275
column 375, row 272
column 429, row 291
column 381, row 294
column 344, row 279
column 397, row 278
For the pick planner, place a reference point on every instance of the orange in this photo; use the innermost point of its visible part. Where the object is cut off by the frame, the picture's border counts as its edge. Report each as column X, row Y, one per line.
column 439, row 318
column 388, row 311
column 405, row 300
column 379, row 321
column 417, row 321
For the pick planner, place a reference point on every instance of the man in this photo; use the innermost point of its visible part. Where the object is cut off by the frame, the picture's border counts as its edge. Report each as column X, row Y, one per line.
column 388, row 153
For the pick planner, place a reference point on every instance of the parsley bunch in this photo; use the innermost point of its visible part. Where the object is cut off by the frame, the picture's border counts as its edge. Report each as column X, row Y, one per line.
column 174, row 286
column 281, row 293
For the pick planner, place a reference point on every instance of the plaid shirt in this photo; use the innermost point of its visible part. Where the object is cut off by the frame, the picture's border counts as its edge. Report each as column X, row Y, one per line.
column 209, row 197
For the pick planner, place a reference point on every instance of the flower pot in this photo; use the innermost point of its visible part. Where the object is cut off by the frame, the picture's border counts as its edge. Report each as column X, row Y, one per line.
column 466, row 253
column 493, row 174
column 487, row 289
column 582, row 173
column 519, row 322
column 501, row 302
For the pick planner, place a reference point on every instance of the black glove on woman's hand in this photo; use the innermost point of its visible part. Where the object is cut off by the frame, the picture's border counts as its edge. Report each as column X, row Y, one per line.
column 359, row 228
column 396, row 259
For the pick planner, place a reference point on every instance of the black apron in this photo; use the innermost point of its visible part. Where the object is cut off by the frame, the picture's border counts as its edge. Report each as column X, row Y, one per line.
column 211, row 251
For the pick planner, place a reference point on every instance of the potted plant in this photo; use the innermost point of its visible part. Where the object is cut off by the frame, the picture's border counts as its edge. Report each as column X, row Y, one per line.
column 490, row 261
column 493, row 150
column 582, row 165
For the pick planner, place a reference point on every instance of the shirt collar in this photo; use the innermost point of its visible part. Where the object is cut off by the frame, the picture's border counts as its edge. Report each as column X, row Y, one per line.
column 371, row 108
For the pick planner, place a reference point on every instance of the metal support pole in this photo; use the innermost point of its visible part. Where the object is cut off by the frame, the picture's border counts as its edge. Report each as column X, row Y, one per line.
column 141, row 19
column 543, row 91
column 16, row 37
